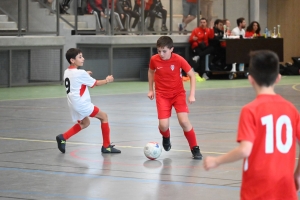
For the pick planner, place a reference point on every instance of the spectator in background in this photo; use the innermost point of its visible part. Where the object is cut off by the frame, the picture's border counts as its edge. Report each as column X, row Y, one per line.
column 199, row 44
column 253, row 29
column 52, row 5
column 96, row 6
column 158, row 11
column 226, row 22
column 189, row 12
column 126, row 9
column 64, row 6
column 116, row 15
column 219, row 53
column 147, row 13
column 239, row 30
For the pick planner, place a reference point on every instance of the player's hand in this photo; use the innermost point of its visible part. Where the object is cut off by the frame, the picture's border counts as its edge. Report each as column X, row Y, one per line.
column 191, row 99
column 210, row 162
column 89, row 72
column 195, row 38
column 109, row 78
column 102, row 14
column 151, row 95
column 122, row 16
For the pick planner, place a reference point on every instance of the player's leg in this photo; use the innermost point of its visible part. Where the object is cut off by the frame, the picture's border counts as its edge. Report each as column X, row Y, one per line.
column 165, row 132
column 106, row 147
column 164, row 107
column 190, row 17
column 62, row 138
column 181, row 108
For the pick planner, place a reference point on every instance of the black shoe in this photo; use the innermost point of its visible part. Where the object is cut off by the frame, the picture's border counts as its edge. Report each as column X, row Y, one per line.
column 150, row 29
column 196, row 153
column 166, row 143
column 110, row 149
column 61, row 143
column 164, row 28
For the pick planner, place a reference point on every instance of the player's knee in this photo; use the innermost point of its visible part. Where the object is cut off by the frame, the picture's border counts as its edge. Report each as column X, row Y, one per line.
column 184, row 124
column 163, row 127
column 85, row 123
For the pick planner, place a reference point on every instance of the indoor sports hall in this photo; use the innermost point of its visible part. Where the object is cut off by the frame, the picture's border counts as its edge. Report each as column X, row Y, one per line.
column 32, row 167
column 34, row 36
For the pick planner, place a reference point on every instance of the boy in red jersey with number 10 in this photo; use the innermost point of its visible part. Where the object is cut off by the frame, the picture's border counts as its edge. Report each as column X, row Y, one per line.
column 268, row 130
column 77, row 82
column 165, row 67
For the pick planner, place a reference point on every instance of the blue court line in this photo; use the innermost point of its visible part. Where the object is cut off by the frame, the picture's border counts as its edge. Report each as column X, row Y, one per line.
column 119, row 178
column 48, row 195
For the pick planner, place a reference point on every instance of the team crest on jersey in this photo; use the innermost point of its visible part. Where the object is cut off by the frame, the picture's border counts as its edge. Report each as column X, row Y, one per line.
column 172, row 67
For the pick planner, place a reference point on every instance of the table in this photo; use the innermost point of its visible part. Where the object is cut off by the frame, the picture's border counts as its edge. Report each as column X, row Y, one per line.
column 237, row 50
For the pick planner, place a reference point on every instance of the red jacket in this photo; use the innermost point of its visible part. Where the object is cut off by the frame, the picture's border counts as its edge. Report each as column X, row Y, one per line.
column 147, row 5
column 202, row 34
column 95, row 5
column 192, row 1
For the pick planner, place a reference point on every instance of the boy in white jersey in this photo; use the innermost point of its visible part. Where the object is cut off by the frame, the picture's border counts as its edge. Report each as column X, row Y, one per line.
column 79, row 101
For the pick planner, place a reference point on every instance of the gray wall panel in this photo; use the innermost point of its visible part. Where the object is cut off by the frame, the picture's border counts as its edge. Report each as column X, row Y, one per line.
column 4, row 66
column 45, row 65
column 96, row 60
column 20, row 66
column 127, row 62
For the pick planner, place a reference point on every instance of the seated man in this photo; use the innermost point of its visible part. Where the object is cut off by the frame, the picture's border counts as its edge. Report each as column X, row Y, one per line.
column 126, row 9
column 157, row 10
column 96, row 6
column 116, row 15
column 199, row 44
column 219, row 50
column 239, row 30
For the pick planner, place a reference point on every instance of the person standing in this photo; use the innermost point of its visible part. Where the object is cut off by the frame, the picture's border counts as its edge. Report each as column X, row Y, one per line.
column 268, row 131
column 189, row 12
column 77, row 82
column 165, row 67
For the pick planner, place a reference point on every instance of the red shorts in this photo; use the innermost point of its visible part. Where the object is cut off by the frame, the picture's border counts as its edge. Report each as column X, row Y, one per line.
column 93, row 114
column 95, row 111
column 164, row 105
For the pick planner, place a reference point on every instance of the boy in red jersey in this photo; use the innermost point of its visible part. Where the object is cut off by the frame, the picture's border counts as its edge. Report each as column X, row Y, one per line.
column 268, row 129
column 169, row 92
column 79, row 101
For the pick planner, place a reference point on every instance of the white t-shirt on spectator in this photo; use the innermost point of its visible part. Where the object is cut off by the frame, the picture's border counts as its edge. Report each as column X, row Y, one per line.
column 237, row 32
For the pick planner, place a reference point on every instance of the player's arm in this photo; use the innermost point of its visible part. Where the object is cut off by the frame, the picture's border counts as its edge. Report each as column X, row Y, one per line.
column 240, row 152
column 108, row 79
column 297, row 174
column 297, row 171
column 151, row 81
column 191, row 74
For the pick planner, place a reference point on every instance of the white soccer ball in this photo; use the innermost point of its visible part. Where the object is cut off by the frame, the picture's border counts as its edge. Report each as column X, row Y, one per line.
column 152, row 150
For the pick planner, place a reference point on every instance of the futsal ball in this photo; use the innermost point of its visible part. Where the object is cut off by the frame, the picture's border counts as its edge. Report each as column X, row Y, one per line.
column 152, row 150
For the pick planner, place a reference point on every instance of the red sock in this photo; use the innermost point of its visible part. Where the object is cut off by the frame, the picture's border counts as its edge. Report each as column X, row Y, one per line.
column 191, row 138
column 165, row 134
column 72, row 131
column 105, row 134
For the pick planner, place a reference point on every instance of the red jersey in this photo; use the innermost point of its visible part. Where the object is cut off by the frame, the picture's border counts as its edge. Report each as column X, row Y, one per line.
column 192, row 1
column 202, row 34
column 167, row 76
column 147, row 5
column 250, row 34
column 272, row 124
